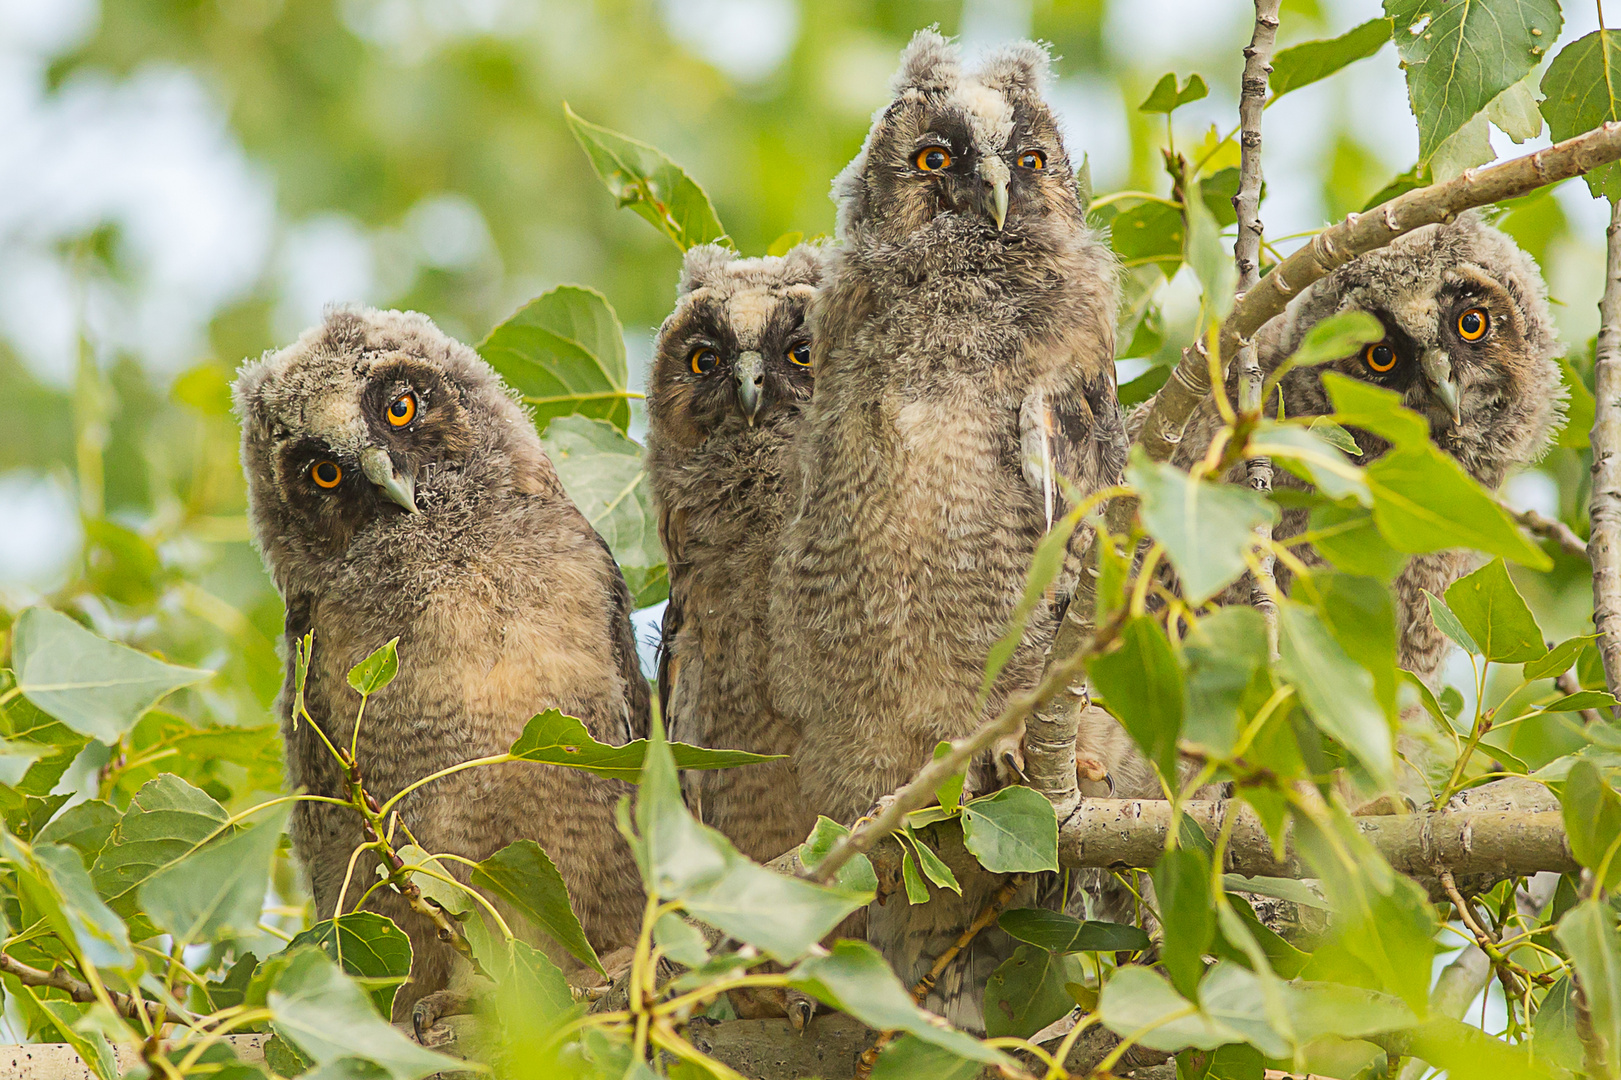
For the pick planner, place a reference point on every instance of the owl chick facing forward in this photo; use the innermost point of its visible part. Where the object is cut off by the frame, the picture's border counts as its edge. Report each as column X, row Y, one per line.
column 964, row 344
column 730, row 380
column 396, row 490
column 1469, row 344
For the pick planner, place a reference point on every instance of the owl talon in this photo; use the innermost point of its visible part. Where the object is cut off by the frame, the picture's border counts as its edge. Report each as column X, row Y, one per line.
column 1090, row 768
column 801, row 1010
column 432, row 1008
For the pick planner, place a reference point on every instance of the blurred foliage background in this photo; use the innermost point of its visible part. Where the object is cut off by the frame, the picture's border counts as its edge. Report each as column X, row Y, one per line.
column 185, row 183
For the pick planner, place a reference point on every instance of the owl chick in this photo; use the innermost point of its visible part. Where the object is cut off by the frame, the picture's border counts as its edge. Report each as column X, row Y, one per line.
column 964, row 341
column 395, row 488
column 1469, row 344
column 731, row 376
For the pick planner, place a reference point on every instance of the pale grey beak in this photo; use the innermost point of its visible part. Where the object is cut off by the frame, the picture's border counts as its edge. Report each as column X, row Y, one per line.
column 379, row 469
column 1437, row 368
column 749, row 372
column 993, row 170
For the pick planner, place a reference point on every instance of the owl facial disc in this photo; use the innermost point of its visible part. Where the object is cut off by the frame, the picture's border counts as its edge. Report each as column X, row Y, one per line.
column 379, row 469
column 749, row 371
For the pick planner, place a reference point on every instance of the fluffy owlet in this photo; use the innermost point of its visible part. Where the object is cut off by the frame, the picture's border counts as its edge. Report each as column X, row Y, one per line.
column 397, row 490
column 964, row 356
column 731, row 377
column 1469, row 344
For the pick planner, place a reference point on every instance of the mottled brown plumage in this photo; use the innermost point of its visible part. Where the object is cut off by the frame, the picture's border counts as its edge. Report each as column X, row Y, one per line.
column 963, row 350
column 450, row 531
column 731, row 376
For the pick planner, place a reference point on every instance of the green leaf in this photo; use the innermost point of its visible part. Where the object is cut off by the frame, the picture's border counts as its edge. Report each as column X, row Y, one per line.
column 1306, row 63
column 1424, row 501
column 218, row 891
column 1136, row 998
column 1223, row 651
column 1588, row 934
column 94, row 686
column 1045, row 565
column 63, row 1016
column 1057, row 932
column 564, row 351
column 54, row 881
column 1446, row 622
column 1360, row 614
column 1584, row 699
column 1583, row 91
column 1209, row 257
column 556, row 739
column 909, row 1058
column 1187, row 915
column 1496, row 616
column 525, row 877
column 933, row 868
column 1580, row 404
column 1558, row 659
column 1026, row 992
column 1167, row 98
column 1363, row 405
column 856, row 875
column 1592, row 814
column 1333, row 338
column 601, row 470
column 533, row 983
column 1205, row 527
column 1312, row 458
column 1149, row 232
column 166, row 821
column 1465, row 1052
column 85, row 827
column 649, row 183
column 327, row 1016
column 367, row 946
column 377, row 670
column 785, row 243
column 1350, row 538
column 916, row 891
column 1011, row 831
column 1337, row 692
column 1514, row 112
column 1141, row 684
column 949, row 793
column 1554, row 1036
column 680, row 940
column 1290, row 889
column 683, row 860
column 1460, row 55
column 853, row 978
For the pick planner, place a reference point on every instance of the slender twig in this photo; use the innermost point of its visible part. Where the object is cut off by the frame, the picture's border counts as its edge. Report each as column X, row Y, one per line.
column 1357, row 234
column 1059, row 676
column 1550, row 529
column 1604, row 543
column 1247, row 255
column 59, row 978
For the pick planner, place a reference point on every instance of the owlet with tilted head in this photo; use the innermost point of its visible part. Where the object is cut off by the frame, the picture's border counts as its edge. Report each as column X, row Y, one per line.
column 1469, row 345
column 730, row 380
column 396, row 489
column 964, row 347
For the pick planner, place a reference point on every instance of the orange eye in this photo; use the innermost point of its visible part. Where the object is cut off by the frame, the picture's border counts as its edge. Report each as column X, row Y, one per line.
column 1380, row 357
column 1032, row 159
column 800, row 354
column 704, row 360
column 326, row 474
column 933, row 158
column 403, row 410
column 1473, row 324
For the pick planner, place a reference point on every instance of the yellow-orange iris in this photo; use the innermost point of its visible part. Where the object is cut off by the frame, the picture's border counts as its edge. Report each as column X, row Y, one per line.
column 1379, row 357
column 933, row 158
column 403, row 410
column 326, row 474
column 704, row 360
column 1032, row 159
column 1473, row 324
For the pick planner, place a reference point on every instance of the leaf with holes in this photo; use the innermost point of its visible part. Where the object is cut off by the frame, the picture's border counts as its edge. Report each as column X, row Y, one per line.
column 368, row 947
column 377, row 670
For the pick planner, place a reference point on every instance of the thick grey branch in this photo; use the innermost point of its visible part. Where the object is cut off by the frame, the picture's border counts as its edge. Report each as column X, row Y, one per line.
column 1604, row 543
column 1356, row 235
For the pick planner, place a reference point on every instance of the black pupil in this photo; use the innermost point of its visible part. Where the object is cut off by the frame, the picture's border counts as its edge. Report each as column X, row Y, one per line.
column 935, row 159
column 802, row 353
column 1381, row 355
column 706, row 361
column 326, row 472
column 1031, row 161
column 400, row 407
column 1471, row 323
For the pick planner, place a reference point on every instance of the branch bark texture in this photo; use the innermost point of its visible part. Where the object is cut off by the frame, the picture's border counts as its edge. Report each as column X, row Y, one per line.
column 1356, row 235
column 59, row 978
column 1604, row 537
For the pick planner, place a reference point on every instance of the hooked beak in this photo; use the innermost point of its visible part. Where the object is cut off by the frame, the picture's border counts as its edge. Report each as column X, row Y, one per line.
column 750, row 375
column 993, row 170
column 1437, row 367
column 379, row 469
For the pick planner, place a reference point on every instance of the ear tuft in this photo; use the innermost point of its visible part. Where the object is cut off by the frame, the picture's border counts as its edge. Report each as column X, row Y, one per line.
column 701, row 266
column 929, row 62
column 1021, row 68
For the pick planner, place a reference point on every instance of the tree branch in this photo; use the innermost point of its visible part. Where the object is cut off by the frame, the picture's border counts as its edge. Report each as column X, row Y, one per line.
column 1247, row 254
column 59, row 978
column 1549, row 529
column 1604, row 543
column 1356, row 235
